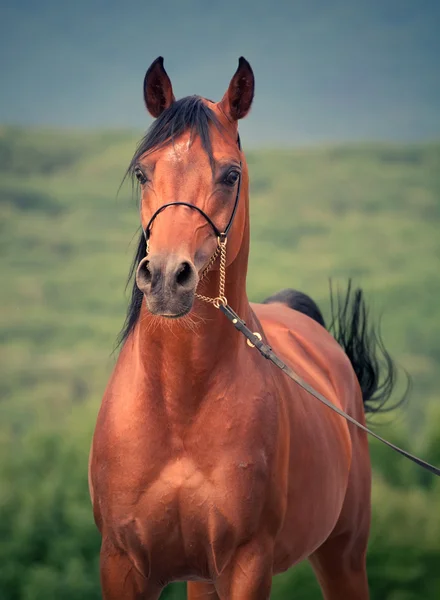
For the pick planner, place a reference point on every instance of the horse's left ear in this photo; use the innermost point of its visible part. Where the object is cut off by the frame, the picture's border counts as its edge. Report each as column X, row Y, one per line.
column 237, row 101
column 158, row 91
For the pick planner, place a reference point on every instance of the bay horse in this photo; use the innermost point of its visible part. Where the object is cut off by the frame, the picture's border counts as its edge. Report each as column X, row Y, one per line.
column 208, row 465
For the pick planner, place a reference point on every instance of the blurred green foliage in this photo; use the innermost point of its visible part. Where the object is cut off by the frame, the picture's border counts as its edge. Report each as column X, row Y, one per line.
column 67, row 237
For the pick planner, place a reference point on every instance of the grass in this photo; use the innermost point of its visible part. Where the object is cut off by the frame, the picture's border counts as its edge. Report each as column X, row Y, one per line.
column 371, row 212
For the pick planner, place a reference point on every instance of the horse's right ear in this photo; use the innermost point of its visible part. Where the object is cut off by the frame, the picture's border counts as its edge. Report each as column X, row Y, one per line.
column 158, row 91
column 237, row 101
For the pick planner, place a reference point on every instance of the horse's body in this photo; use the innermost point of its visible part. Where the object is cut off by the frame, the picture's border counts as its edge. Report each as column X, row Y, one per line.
column 208, row 464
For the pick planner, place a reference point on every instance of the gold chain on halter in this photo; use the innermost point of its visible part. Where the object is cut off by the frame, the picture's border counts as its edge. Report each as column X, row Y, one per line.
column 221, row 298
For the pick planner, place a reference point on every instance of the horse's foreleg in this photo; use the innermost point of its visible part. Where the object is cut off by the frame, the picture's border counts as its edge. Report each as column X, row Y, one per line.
column 340, row 566
column 249, row 576
column 200, row 590
column 121, row 580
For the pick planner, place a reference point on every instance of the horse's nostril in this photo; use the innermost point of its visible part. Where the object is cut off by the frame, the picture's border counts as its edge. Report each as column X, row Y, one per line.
column 184, row 274
column 145, row 273
column 160, row 273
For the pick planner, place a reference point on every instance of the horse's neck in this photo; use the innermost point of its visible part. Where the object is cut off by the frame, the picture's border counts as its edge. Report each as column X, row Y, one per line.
column 179, row 359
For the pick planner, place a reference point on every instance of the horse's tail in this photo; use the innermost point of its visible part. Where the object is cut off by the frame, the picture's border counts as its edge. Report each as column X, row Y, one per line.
column 352, row 328
column 361, row 341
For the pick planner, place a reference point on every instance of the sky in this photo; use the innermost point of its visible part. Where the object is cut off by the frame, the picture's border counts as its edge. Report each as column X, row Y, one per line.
column 326, row 70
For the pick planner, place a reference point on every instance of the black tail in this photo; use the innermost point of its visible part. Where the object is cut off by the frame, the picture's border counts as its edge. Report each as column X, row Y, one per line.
column 360, row 340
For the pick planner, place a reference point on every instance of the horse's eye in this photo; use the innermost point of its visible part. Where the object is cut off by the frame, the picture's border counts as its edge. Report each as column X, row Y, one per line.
column 231, row 178
column 140, row 176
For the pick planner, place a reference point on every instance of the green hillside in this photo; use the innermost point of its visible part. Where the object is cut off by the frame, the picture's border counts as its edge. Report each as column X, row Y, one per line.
column 67, row 237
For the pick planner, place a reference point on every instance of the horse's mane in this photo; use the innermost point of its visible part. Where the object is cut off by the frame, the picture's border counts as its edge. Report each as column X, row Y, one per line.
column 188, row 114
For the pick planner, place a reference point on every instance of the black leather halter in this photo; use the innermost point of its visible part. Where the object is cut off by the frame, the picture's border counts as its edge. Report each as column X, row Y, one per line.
column 221, row 235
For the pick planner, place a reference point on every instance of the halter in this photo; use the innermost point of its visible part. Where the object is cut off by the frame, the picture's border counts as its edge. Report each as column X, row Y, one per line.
column 255, row 339
column 222, row 235
column 222, row 238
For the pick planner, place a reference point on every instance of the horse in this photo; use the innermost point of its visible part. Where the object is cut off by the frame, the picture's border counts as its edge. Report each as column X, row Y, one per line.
column 208, row 465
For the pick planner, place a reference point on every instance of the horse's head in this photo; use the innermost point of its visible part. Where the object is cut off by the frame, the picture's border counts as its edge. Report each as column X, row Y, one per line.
column 193, row 176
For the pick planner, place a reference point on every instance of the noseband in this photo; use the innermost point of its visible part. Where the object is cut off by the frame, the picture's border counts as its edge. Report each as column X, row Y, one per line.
column 221, row 235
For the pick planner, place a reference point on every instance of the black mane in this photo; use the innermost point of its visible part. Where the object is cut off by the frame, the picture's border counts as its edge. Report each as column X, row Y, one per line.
column 188, row 114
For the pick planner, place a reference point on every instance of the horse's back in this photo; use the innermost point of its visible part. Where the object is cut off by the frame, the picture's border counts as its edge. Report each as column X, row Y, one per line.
column 297, row 301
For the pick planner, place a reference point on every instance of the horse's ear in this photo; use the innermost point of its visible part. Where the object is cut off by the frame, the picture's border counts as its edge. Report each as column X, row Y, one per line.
column 240, row 93
column 158, row 91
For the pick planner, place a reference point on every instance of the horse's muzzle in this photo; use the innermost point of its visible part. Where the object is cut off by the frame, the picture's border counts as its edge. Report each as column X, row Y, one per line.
column 168, row 284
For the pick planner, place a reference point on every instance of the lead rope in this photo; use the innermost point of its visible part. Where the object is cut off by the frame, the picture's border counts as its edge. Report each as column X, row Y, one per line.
column 255, row 340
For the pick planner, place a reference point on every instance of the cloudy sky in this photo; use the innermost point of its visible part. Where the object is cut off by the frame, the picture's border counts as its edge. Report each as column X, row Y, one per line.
column 326, row 70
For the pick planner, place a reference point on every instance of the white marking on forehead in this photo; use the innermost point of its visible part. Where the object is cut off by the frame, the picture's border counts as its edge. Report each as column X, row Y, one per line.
column 177, row 151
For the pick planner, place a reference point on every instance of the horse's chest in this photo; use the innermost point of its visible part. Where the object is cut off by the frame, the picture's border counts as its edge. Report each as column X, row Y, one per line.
column 195, row 517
